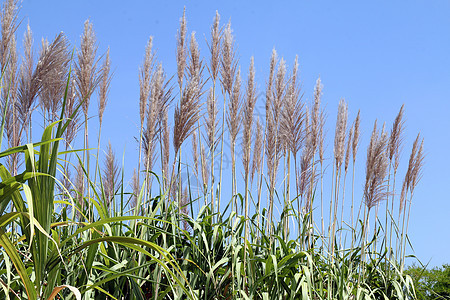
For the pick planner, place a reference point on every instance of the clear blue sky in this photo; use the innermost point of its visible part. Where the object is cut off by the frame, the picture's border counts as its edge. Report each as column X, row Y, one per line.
column 376, row 54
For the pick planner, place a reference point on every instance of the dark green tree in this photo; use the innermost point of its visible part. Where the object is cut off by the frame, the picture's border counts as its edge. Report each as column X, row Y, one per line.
column 431, row 284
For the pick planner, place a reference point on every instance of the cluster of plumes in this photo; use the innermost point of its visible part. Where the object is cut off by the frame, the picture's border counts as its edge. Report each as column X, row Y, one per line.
column 376, row 168
column 155, row 95
column 9, row 65
column 313, row 143
column 187, row 112
column 42, row 79
column 156, row 115
column 29, row 81
column 292, row 114
column 53, row 58
column 384, row 151
column 54, row 84
column 291, row 129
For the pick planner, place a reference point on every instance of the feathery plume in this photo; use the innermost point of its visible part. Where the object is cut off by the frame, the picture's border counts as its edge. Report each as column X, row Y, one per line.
column 205, row 169
column 416, row 173
column 279, row 90
column 348, row 149
column 214, row 48
column 257, row 159
column 111, row 175
column 228, row 61
column 185, row 208
column 85, row 68
column 212, row 123
column 234, row 111
column 376, row 168
column 8, row 28
column 413, row 174
column 181, row 49
column 54, row 84
column 10, row 76
column 195, row 151
column 306, row 158
column 356, row 137
column 52, row 57
column 73, row 126
column 24, row 103
column 278, row 143
column 145, row 79
column 248, row 117
column 158, row 100
column 195, row 67
column 269, row 87
column 104, row 86
column 150, row 134
column 166, row 146
column 187, row 111
column 292, row 115
column 161, row 92
column 321, row 137
column 186, row 116
column 8, row 99
column 271, row 130
column 79, row 187
column 396, row 139
column 339, row 139
column 136, row 189
column 315, row 115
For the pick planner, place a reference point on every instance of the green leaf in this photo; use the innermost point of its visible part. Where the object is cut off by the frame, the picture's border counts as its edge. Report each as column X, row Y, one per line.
column 18, row 264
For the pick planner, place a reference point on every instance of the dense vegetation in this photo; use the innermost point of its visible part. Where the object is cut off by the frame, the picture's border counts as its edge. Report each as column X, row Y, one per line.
column 172, row 236
column 431, row 283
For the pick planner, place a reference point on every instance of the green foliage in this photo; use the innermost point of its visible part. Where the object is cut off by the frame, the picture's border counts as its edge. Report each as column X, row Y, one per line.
column 431, row 283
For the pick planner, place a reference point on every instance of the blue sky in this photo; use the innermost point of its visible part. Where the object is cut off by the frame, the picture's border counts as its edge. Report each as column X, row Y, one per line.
column 377, row 55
